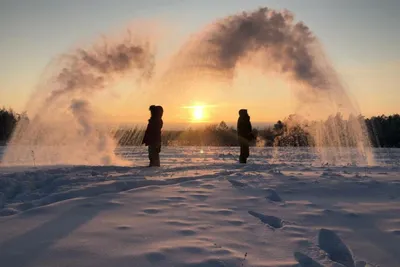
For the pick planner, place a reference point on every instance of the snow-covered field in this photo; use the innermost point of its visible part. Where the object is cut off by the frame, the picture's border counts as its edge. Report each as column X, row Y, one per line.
column 202, row 209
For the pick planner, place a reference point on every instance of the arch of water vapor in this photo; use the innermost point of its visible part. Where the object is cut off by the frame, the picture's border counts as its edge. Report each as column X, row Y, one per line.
column 273, row 41
column 269, row 39
column 61, row 129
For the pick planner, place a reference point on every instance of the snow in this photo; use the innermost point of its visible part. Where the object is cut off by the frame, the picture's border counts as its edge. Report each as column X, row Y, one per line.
column 202, row 209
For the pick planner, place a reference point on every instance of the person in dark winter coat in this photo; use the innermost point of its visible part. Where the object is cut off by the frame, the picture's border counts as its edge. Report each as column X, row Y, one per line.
column 245, row 135
column 152, row 136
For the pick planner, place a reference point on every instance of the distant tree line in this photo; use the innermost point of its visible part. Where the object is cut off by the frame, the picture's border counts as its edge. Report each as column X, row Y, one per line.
column 383, row 131
column 8, row 121
column 211, row 135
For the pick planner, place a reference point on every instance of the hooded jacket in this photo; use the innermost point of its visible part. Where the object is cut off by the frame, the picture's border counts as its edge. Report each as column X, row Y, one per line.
column 152, row 135
column 244, row 128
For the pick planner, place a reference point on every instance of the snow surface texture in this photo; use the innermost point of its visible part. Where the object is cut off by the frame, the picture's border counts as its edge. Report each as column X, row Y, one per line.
column 202, row 209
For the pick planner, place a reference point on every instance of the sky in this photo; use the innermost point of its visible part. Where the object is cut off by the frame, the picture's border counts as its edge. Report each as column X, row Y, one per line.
column 360, row 37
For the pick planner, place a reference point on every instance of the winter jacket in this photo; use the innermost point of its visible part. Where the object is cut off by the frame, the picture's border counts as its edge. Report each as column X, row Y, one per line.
column 244, row 128
column 152, row 135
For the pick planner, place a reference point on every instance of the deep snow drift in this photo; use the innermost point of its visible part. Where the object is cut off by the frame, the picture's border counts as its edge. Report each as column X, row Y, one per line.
column 203, row 209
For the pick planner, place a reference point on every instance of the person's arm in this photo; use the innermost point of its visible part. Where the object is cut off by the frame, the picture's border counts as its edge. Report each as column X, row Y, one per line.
column 250, row 132
column 145, row 137
column 147, row 134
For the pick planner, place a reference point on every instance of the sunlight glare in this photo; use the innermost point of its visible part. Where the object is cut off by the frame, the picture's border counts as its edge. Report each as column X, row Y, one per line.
column 198, row 113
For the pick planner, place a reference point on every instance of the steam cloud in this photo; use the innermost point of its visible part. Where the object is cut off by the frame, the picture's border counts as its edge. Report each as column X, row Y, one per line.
column 91, row 69
column 277, row 42
column 81, row 111
column 274, row 42
column 100, row 144
column 285, row 46
column 59, row 138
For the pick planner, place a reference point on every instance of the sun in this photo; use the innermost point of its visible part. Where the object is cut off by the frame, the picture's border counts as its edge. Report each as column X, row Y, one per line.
column 198, row 113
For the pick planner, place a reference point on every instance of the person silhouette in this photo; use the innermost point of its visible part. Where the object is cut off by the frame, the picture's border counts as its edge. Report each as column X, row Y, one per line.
column 152, row 136
column 245, row 135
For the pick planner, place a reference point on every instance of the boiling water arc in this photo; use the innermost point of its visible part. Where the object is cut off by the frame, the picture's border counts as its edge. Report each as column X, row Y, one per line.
column 273, row 42
column 62, row 130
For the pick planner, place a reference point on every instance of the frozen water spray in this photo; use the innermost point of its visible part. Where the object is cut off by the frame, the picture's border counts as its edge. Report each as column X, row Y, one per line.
column 270, row 40
column 274, row 42
column 62, row 130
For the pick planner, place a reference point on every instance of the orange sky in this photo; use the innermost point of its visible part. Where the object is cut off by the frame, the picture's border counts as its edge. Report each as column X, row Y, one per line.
column 363, row 45
column 267, row 98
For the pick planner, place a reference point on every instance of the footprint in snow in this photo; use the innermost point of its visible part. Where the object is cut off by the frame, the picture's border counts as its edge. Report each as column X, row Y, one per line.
column 273, row 196
column 123, row 227
column 306, row 261
column 272, row 221
column 237, row 183
column 151, row 211
column 336, row 249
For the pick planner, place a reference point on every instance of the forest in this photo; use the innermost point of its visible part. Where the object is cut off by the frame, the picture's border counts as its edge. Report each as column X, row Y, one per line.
column 383, row 131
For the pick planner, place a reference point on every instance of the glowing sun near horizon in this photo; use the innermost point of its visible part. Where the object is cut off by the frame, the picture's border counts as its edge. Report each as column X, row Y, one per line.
column 198, row 113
